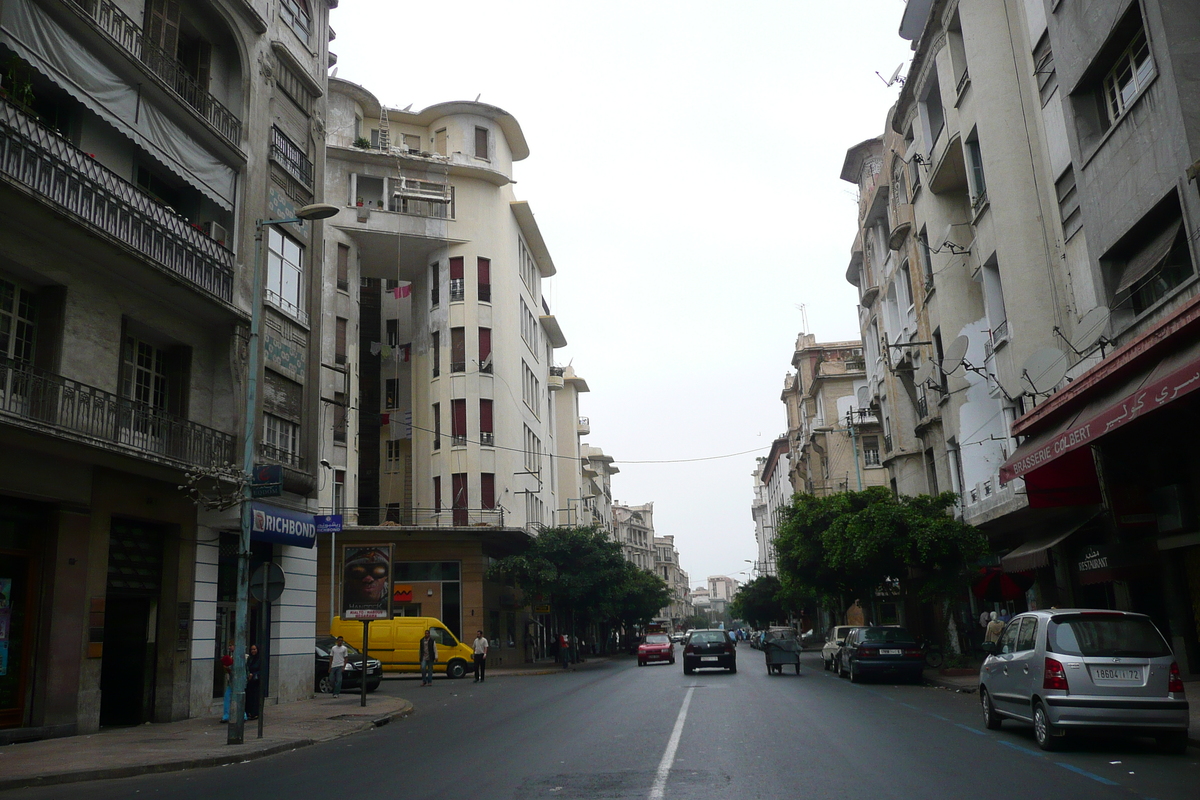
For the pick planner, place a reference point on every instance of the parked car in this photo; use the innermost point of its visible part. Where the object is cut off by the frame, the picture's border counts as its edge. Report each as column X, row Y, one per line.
column 1071, row 669
column 657, row 647
column 878, row 650
column 833, row 644
column 709, row 648
column 351, row 675
column 678, row 636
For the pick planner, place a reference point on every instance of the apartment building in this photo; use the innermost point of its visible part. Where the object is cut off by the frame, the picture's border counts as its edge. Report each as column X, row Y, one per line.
column 444, row 432
column 1071, row 330
column 634, row 530
column 772, row 492
column 141, row 140
column 667, row 567
column 833, row 434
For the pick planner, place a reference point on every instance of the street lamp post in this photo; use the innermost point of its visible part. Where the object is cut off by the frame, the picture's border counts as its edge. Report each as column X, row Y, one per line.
column 237, row 708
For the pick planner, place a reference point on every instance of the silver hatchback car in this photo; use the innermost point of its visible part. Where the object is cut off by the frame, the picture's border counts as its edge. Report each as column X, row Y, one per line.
column 1071, row 669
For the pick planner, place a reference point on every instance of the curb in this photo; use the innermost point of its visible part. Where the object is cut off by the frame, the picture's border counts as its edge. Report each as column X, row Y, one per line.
column 233, row 757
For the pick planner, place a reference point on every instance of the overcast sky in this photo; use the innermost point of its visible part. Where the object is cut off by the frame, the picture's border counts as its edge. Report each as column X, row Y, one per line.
column 683, row 169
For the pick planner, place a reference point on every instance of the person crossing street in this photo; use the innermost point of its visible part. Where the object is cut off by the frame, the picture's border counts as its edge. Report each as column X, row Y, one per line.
column 481, row 647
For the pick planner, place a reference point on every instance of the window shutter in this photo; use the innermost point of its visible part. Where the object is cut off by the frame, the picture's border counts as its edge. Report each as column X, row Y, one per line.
column 437, row 492
column 456, row 268
column 485, row 272
column 485, row 344
column 485, row 416
column 459, row 421
column 487, row 490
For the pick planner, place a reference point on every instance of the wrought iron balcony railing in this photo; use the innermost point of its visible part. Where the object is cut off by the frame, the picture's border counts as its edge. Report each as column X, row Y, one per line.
column 60, row 406
column 394, row 515
column 127, row 34
column 42, row 162
column 291, row 157
column 278, row 455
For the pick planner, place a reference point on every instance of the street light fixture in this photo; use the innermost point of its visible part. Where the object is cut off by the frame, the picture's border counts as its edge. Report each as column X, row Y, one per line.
column 237, row 710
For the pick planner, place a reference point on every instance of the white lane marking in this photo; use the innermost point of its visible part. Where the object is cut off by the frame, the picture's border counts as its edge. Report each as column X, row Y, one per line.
column 664, row 766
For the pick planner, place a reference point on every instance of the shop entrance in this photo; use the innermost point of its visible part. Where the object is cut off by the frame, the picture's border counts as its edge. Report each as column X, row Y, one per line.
column 127, row 668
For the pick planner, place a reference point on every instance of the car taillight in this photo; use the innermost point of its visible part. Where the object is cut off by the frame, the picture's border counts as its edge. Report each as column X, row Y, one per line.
column 864, row 652
column 1175, row 682
column 914, row 653
column 1055, row 677
column 691, row 648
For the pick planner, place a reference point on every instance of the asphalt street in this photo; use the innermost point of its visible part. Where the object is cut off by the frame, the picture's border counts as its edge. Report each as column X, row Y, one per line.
column 620, row 731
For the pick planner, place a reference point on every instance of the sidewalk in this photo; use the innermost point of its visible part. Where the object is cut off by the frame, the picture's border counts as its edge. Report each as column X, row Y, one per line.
column 201, row 742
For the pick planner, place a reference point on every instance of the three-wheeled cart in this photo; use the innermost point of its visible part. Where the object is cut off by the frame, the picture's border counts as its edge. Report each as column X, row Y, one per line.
column 781, row 646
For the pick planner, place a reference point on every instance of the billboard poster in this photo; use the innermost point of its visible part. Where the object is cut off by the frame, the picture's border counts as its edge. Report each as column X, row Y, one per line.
column 367, row 581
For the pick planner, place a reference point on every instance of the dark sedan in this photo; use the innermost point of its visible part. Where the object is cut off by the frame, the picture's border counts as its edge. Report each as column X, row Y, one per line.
column 709, row 648
column 881, row 651
column 352, row 672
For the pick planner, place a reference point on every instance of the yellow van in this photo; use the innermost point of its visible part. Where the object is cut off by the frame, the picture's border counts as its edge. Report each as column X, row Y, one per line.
column 395, row 643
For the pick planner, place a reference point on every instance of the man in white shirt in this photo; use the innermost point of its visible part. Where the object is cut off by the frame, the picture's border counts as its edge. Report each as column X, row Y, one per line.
column 337, row 664
column 481, row 648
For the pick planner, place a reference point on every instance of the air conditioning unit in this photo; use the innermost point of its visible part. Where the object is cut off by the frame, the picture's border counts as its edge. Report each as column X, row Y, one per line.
column 215, row 230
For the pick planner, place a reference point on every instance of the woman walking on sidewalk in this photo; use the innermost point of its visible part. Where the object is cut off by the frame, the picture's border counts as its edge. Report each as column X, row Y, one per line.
column 253, row 665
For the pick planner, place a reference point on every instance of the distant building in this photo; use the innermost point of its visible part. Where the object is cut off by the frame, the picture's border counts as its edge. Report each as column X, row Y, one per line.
column 667, row 567
column 772, row 492
column 634, row 531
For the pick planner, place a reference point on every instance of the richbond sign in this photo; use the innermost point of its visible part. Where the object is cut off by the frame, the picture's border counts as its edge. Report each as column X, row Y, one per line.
column 281, row 526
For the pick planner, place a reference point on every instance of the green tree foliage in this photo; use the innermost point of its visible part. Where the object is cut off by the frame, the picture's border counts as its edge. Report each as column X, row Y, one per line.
column 849, row 544
column 758, row 602
column 695, row 621
column 581, row 573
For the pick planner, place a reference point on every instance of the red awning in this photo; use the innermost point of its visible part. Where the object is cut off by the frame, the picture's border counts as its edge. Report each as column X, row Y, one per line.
column 1174, row 376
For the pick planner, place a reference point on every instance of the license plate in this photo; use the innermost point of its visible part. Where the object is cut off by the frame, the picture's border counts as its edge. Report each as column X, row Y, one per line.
column 1117, row 673
column 891, row 652
column 708, row 658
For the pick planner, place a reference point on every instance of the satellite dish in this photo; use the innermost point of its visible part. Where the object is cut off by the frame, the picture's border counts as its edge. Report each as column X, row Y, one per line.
column 896, row 75
column 953, row 357
column 923, row 373
column 1012, row 388
column 864, row 397
column 1044, row 370
column 1091, row 327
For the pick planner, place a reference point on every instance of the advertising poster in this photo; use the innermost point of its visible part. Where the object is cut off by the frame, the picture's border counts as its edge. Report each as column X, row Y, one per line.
column 367, row 582
column 3, row 658
column 5, row 608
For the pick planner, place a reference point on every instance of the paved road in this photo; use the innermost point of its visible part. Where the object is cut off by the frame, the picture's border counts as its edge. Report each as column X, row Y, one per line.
column 620, row 731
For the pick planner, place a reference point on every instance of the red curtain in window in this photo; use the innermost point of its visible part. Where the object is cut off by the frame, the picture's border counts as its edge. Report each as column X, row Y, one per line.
column 456, row 268
column 485, row 344
column 459, row 483
column 487, row 490
column 458, row 423
column 485, row 272
column 437, row 492
column 458, row 349
column 485, row 416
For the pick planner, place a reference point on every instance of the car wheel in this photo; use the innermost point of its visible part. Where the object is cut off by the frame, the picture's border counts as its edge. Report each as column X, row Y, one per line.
column 991, row 720
column 1044, row 731
column 325, row 685
column 687, row 670
column 1174, row 743
column 837, row 665
column 828, row 665
column 733, row 669
column 641, row 663
column 854, row 676
column 373, row 685
column 672, row 661
column 456, row 669
column 797, row 667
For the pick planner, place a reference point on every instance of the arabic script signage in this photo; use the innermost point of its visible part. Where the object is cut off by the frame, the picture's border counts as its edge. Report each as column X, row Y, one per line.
column 1156, row 395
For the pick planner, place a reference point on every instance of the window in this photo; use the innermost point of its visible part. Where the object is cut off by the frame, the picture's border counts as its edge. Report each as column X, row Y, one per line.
column 437, row 426
column 458, row 482
column 531, row 391
column 295, row 15
column 339, row 490
column 485, row 350
column 291, row 157
column 487, row 491
column 412, row 142
column 339, row 416
column 458, row 287
column 285, row 274
column 339, row 341
column 1044, row 70
column 931, row 105
column 18, row 322
column 529, row 328
column 486, row 434
column 393, row 332
column 1027, row 638
column 143, row 374
column 437, row 492
column 440, row 143
column 391, row 393
column 926, row 258
column 458, row 423
column 1128, row 76
column 484, row 272
column 1068, row 203
column 435, row 349
column 528, row 268
column 993, row 300
column 434, row 285
column 281, row 439
column 533, row 451
column 291, row 84
column 343, row 267
column 458, row 350
column 481, row 142
column 1152, row 259
column 975, row 167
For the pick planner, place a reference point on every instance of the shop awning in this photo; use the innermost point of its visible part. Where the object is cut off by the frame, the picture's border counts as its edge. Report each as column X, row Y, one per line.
column 1035, row 553
column 1175, row 375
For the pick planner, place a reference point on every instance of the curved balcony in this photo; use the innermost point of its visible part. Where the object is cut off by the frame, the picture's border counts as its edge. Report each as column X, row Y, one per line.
column 42, row 163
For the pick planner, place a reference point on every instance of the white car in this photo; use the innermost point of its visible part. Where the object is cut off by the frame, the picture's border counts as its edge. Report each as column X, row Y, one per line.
column 833, row 644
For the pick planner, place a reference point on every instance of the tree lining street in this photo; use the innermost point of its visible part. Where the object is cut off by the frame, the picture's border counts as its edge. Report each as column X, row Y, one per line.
column 601, row 732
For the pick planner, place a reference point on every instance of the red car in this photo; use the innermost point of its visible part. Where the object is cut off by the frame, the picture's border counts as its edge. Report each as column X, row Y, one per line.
column 657, row 647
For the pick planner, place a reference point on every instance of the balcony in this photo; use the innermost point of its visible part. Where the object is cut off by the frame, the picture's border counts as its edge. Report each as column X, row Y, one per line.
column 369, row 517
column 291, row 157
column 584, row 427
column 40, row 162
column 458, row 290
column 458, row 440
column 121, row 30
column 42, row 401
column 922, row 407
column 887, row 443
column 487, row 438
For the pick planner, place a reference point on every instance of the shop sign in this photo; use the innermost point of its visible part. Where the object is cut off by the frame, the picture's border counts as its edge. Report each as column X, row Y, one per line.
column 1109, row 556
column 328, row 523
column 267, row 481
column 281, row 526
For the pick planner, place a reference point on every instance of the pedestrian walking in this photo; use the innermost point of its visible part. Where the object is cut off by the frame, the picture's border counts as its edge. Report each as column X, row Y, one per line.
column 564, row 650
column 337, row 664
column 227, row 666
column 480, row 646
column 994, row 629
column 253, row 665
column 428, row 655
